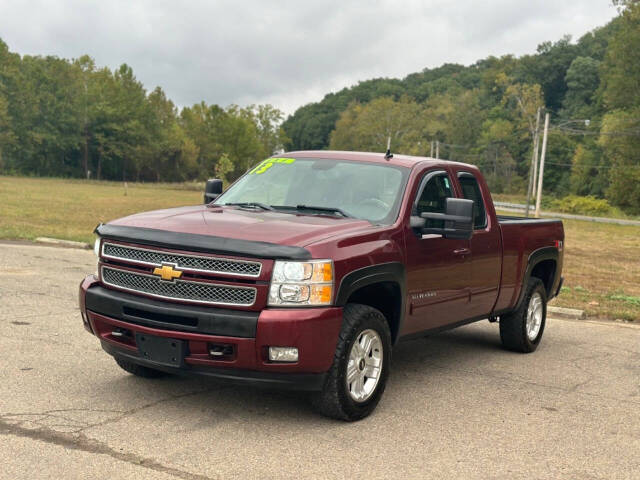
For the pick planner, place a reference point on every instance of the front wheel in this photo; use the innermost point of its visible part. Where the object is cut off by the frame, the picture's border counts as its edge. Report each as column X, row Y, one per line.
column 357, row 378
column 521, row 330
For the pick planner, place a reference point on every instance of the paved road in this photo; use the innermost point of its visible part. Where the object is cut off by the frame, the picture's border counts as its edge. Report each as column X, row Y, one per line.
column 457, row 405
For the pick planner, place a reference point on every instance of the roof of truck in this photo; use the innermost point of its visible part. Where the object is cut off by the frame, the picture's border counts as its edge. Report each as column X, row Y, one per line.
column 372, row 157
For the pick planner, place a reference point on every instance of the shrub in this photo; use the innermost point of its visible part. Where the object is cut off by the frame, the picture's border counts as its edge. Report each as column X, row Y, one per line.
column 583, row 206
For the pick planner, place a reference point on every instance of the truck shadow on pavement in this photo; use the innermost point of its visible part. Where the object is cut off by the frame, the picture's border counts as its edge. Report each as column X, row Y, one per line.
column 206, row 402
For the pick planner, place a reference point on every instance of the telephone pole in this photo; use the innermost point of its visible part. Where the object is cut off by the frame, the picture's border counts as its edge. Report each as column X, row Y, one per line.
column 544, row 152
column 431, row 148
column 437, row 148
column 534, row 162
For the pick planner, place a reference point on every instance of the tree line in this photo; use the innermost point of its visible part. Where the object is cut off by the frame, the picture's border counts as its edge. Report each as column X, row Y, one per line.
column 74, row 119
column 485, row 114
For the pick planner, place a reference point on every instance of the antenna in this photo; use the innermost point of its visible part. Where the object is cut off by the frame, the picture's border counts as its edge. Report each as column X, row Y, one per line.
column 388, row 155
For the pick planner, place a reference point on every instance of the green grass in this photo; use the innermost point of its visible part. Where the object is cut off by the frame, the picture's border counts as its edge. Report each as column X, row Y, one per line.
column 70, row 209
column 601, row 268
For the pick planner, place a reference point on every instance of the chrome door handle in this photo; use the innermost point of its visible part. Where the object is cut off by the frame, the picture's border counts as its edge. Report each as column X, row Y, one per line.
column 462, row 251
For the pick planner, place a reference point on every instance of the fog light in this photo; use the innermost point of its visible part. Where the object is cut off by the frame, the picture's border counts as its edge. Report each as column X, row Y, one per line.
column 283, row 354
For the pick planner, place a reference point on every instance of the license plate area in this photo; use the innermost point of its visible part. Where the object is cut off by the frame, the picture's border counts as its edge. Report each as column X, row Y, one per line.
column 161, row 350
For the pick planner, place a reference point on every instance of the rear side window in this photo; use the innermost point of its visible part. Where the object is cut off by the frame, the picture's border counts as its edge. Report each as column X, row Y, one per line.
column 471, row 191
column 433, row 197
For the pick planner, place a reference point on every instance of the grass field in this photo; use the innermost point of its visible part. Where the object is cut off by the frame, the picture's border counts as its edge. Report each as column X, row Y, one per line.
column 601, row 270
column 70, row 209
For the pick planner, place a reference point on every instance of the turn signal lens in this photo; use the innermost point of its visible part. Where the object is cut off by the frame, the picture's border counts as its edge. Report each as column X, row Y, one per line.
column 320, row 294
column 322, row 272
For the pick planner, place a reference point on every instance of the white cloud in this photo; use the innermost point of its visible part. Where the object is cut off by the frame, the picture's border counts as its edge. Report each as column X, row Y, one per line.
column 286, row 52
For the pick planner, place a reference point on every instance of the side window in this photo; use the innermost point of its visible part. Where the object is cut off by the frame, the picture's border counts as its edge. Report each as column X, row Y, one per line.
column 434, row 196
column 471, row 191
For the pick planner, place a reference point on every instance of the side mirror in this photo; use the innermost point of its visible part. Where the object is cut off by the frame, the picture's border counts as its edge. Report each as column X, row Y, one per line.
column 458, row 220
column 212, row 190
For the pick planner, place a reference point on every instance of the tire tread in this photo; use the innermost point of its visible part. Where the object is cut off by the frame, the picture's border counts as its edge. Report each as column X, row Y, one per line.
column 329, row 401
column 512, row 326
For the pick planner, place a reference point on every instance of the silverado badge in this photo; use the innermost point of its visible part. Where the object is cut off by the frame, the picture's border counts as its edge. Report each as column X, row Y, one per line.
column 167, row 272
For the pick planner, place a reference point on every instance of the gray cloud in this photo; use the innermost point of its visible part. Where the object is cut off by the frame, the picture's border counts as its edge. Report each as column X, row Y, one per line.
column 286, row 52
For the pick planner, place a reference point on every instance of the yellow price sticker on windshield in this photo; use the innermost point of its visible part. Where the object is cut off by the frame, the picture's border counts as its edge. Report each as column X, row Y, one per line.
column 270, row 162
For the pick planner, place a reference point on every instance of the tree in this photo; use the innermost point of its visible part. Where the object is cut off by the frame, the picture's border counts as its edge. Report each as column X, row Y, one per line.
column 582, row 80
column 268, row 120
column 620, row 71
column 588, row 171
column 367, row 127
column 620, row 93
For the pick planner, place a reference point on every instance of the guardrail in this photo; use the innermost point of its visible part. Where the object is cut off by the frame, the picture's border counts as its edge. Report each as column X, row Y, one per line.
column 518, row 207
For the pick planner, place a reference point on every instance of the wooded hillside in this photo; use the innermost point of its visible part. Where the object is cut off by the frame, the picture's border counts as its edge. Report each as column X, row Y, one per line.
column 485, row 114
column 71, row 118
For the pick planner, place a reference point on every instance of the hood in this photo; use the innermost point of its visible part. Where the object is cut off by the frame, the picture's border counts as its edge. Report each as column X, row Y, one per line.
column 243, row 224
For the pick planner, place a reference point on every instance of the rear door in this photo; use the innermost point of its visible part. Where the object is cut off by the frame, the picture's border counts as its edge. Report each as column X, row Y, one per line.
column 486, row 251
column 438, row 269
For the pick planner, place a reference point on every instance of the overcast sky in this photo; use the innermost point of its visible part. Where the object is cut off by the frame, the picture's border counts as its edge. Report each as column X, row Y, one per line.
column 287, row 53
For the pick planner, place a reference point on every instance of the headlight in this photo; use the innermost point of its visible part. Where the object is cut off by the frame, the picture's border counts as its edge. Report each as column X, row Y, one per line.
column 301, row 283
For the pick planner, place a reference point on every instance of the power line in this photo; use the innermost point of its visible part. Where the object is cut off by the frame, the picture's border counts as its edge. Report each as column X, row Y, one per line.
column 621, row 133
column 592, row 166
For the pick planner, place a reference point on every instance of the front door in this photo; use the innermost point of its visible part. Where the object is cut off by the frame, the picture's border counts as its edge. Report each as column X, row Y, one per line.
column 438, row 269
column 486, row 261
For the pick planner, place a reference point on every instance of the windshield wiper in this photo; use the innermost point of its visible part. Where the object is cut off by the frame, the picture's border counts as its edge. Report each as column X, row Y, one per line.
column 312, row 208
column 263, row 206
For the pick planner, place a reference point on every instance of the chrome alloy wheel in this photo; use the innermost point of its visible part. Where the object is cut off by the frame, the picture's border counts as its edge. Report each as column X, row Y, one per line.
column 365, row 365
column 534, row 316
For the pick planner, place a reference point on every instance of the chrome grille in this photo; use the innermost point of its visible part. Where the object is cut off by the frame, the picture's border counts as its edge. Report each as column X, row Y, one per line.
column 188, row 291
column 190, row 262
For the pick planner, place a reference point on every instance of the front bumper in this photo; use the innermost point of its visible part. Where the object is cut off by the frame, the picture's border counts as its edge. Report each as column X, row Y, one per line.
column 116, row 317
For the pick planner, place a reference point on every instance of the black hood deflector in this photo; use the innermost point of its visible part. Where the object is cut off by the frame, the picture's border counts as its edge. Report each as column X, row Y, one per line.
column 201, row 243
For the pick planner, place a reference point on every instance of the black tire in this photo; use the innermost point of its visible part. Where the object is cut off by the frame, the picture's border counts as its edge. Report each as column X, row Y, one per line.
column 513, row 326
column 139, row 370
column 335, row 401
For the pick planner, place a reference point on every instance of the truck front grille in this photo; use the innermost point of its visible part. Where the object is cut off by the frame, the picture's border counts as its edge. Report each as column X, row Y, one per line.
column 185, row 290
column 197, row 263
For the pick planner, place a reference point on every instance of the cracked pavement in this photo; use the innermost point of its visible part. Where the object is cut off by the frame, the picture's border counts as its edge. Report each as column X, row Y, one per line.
column 456, row 405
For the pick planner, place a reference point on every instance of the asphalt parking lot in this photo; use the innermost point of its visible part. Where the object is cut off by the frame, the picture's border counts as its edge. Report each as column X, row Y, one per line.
column 456, row 406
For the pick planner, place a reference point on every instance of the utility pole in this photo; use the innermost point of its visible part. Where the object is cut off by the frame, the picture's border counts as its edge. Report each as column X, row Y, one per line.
column 437, row 148
column 431, row 148
column 534, row 161
column 544, row 152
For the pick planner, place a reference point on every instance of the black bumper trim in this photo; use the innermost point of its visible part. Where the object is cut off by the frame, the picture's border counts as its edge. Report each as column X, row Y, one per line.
column 291, row 381
column 201, row 243
column 183, row 318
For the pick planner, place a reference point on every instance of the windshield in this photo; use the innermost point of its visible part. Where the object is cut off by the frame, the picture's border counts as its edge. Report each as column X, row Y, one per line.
column 362, row 190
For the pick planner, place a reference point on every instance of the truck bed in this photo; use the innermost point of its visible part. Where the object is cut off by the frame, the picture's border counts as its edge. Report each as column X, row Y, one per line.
column 521, row 237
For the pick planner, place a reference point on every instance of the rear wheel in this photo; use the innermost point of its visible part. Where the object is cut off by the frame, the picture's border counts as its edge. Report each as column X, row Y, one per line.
column 357, row 378
column 522, row 330
column 139, row 370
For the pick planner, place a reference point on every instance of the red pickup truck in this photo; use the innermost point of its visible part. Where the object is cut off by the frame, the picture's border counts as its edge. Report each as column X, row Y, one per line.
column 308, row 270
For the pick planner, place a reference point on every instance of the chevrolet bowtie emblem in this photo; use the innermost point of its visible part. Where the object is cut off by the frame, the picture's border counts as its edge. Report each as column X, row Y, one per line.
column 167, row 273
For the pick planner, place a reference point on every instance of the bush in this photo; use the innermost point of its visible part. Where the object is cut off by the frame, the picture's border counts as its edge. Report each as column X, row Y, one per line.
column 584, row 206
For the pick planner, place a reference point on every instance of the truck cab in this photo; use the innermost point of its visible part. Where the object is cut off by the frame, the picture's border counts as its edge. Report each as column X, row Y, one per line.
column 308, row 270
